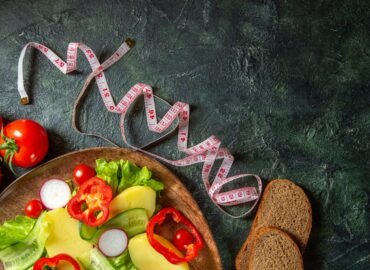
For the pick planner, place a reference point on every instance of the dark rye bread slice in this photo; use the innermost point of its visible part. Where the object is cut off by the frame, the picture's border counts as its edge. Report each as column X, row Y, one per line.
column 272, row 249
column 285, row 206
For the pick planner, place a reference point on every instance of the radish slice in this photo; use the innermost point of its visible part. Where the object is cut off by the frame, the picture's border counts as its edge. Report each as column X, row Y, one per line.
column 55, row 194
column 113, row 242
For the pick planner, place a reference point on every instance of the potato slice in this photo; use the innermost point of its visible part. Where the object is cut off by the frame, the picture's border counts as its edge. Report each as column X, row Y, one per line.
column 145, row 257
column 134, row 197
column 64, row 236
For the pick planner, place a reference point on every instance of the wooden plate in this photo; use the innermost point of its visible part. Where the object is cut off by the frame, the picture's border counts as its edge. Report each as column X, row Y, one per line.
column 14, row 198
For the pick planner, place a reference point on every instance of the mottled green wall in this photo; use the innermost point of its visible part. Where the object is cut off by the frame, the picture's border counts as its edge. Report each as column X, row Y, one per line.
column 284, row 84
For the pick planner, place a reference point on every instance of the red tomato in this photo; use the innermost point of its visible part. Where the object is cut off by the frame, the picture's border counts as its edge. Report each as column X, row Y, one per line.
column 25, row 143
column 182, row 238
column 82, row 173
column 33, row 209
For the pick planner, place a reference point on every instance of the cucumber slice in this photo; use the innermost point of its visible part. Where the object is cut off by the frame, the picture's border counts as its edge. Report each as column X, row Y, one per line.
column 132, row 221
column 84, row 260
column 94, row 260
column 25, row 253
column 86, row 232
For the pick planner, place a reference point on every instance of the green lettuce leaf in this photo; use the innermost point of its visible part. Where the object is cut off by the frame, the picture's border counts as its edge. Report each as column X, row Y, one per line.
column 132, row 175
column 26, row 252
column 122, row 174
column 15, row 230
column 109, row 171
column 123, row 262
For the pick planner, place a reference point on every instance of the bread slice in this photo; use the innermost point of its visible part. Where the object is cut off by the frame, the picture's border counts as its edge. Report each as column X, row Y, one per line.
column 242, row 259
column 272, row 249
column 284, row 206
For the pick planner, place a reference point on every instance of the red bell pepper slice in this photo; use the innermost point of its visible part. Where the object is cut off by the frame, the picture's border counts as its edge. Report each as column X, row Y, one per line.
column 54, row 261
column 191, row 250
column 91, row 202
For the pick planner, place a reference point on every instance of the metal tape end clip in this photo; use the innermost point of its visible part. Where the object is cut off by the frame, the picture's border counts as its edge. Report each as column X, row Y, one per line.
column 130, row 42
column 25, row 101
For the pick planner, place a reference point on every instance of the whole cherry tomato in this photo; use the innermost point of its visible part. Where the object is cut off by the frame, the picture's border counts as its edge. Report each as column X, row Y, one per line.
column 24, row 143
column 33, row 209
column 182, row 238
column 82, row 173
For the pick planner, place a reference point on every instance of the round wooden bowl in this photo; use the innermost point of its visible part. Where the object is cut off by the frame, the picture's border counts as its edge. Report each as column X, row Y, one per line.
column 15, row 196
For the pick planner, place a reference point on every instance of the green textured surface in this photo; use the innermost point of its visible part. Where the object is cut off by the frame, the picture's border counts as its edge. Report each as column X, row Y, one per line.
column 284, row 84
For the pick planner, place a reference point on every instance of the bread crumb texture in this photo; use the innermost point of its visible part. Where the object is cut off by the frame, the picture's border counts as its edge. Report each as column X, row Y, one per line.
column 286, row 207
column 274, row 250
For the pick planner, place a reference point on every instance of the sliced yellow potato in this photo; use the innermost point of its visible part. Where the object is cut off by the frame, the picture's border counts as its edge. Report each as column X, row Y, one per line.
column 145, row 257
column 134, row 197
column 64, row 237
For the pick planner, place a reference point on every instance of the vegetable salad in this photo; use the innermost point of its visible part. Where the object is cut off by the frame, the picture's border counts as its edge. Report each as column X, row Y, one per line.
column 106, row 217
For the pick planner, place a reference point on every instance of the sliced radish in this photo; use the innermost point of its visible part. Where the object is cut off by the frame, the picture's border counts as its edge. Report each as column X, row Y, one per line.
column 113, row 242
column 55, row 193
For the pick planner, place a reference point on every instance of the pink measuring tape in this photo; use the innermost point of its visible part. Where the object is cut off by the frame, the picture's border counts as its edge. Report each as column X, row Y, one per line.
column 206, row 152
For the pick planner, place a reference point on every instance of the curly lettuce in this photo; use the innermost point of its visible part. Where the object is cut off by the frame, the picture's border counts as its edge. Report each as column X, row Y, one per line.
column 122, row 174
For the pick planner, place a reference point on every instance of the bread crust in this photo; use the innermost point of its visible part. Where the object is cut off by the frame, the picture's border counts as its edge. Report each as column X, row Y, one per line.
column 243, row 254
column 264, row 230
column 241, row 261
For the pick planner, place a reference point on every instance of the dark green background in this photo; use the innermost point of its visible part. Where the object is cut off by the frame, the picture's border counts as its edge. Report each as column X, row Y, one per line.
column 284, row 84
